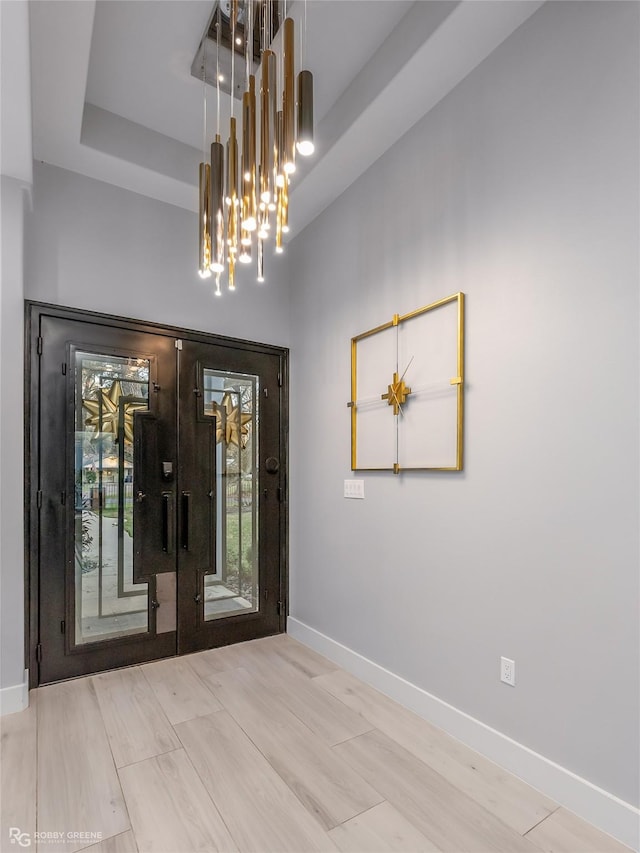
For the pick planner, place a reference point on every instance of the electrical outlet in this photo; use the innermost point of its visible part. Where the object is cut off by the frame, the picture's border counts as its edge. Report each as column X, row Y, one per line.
column 508, row 671
column 354, row 489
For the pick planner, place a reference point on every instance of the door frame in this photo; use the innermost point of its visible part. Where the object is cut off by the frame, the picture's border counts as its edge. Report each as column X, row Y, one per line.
column 34, row 311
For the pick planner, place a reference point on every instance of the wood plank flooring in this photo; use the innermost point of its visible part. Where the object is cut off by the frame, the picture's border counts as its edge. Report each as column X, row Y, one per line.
column 169, row 806
column 180, row 692
column 18, row 756
column 78, row 789
column 135, row 722
column 502, row 794
column 260, row 809
column 264, row 746
column 382, row 829
column 322, row 780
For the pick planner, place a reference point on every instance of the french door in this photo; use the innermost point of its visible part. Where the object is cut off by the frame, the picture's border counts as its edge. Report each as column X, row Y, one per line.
column 156, row 492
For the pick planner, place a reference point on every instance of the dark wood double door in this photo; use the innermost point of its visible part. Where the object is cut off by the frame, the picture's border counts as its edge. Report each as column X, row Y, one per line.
column 156, row 492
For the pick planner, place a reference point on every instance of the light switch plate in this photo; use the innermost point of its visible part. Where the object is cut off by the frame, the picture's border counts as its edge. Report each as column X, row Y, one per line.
column 354, row 489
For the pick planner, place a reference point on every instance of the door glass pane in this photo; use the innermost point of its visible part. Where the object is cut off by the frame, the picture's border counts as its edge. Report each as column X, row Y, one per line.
column 109, row 389
column 232, row 399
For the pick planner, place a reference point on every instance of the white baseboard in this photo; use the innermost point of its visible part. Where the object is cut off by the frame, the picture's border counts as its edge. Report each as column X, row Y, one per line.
column 602, row 809
column 16, row 697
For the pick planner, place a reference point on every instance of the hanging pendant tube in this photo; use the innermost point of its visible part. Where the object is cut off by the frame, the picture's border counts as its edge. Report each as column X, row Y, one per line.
column 249, row 220
column 267, row 124
column 232, row 189
column 232, row 272
column 244, row 164
column 277, row 136
column 285, row 207
column 279, row 247
column 260, row 259
column 304, row 142
column 247, row 223
column 216, row 206
column 278, row 169
column 203, row 216
column 253, row 167
column 263, row 216
column 288, row 100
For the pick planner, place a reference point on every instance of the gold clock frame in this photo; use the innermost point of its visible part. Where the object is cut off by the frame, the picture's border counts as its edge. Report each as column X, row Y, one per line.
column 391, row 395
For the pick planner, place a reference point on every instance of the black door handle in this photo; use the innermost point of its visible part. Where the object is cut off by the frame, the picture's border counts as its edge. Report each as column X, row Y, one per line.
column 167, row 522
column 186, row 506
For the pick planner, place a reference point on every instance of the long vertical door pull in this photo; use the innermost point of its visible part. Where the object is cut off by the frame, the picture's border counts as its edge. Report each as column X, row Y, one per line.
column 186, row 507
column 167, row 522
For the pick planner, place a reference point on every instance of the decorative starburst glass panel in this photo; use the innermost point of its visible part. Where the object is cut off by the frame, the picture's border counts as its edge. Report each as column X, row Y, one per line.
column 109, row 389
column 232, row 399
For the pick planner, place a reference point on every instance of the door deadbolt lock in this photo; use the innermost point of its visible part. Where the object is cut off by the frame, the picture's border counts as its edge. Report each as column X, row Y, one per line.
column 155, row 604
column 140, row 496
column 272, row 465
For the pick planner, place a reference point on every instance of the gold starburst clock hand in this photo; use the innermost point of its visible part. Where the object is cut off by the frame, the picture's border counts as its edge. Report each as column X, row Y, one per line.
column 398, row 392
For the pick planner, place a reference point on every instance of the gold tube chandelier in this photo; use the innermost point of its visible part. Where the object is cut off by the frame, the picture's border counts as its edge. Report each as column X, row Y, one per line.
column 204, row 194
column 244, row 190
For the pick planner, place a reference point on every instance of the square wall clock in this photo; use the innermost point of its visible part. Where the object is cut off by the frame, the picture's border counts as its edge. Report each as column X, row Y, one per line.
column 407, row 391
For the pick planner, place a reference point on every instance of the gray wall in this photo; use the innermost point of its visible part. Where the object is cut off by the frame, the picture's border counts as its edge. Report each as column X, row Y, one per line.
column 15, row 181
column 102, row 248
column 12, row 665
column 521, row 189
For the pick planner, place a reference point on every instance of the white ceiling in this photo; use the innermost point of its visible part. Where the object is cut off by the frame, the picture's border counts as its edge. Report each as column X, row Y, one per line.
column 113, row 97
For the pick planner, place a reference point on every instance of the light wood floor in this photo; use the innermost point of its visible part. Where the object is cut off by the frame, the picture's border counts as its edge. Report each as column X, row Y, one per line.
column 264, row 746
